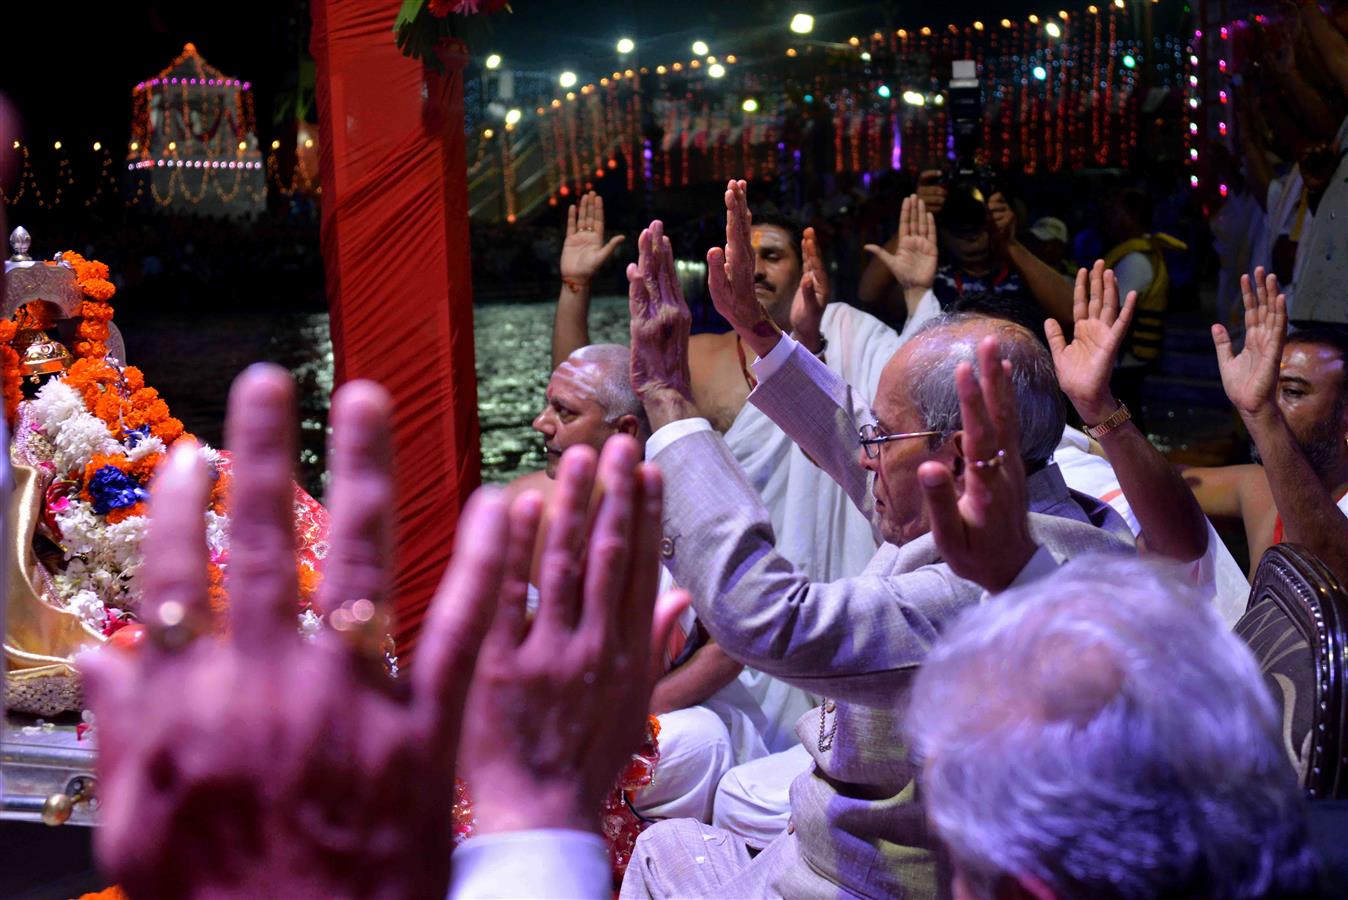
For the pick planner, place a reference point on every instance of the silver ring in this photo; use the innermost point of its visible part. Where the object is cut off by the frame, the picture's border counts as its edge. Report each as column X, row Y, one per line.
column 993, row 463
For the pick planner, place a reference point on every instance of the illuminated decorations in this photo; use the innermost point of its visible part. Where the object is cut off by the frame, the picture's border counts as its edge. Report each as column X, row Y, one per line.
column 193, row 145
column 1059, row 93
column 423, row 26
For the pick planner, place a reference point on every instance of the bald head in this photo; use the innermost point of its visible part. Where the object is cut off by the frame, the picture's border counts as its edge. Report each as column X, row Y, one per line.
column 611, row 367
column 929, row 361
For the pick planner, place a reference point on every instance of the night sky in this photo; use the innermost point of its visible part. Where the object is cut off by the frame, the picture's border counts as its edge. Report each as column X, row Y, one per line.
column 70, row 67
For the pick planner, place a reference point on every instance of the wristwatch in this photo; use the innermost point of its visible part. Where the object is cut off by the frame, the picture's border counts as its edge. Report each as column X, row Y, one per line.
column 1117, row 418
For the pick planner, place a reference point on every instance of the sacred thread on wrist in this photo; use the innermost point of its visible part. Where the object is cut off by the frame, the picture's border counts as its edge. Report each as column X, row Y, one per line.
column 575, row 284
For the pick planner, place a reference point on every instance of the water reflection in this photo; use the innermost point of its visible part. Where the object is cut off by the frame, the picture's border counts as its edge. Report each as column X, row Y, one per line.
column 192, row 359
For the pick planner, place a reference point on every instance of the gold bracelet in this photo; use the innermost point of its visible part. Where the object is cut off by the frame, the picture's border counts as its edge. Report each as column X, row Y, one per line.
column 1117, row 418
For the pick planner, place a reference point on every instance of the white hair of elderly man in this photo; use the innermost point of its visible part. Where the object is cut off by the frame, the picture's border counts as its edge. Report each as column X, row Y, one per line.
column 1080, row 740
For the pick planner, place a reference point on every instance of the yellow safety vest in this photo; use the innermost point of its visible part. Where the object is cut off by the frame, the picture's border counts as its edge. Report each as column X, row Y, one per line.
column 1144, row 338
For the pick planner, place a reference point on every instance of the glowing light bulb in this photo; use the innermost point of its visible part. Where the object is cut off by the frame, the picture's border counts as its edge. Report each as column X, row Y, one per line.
column 716, row 70
column 1053, row 30
column 98, row 145
column 802, row 23
column 884, row 91
column 1129, row 61
column 493, row 61
column 700, row 48
column 750, row 105
column 275, row 145
column 57, row 145
column 1040, row 73
column 308, row 142
column 913, row 98
column 243, row 145
column 488, row 133
column 567, row 79
column 626, row 45
column 173, row 145
column 513, row 116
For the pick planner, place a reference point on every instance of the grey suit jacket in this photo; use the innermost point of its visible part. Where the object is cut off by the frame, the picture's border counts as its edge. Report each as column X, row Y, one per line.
column 859, row 640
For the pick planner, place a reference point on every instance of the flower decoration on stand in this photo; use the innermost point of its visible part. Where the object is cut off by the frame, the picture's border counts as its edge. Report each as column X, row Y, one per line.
column 87, row 443
column 423, row 24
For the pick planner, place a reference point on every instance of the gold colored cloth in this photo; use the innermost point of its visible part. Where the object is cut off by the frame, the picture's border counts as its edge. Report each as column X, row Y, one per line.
column 40, row 639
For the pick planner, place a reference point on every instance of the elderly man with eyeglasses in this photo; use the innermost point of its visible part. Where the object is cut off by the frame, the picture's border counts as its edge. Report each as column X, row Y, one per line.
column 856, row 828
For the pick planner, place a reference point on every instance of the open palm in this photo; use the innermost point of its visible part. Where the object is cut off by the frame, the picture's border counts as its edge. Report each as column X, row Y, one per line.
column 913, row 262
column 1099, row 325
column 1251, row 376
column 584, row 252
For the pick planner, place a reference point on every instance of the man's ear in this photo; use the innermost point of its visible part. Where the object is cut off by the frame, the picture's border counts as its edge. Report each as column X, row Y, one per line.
column 628, row 424
column 956, row 443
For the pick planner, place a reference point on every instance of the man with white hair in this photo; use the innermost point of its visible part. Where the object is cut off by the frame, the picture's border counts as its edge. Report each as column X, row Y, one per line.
column 1078, row 741
column 856, row 826
column 711, row 708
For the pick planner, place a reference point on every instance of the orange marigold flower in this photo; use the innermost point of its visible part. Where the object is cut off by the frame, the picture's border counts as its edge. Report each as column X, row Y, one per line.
column 143, row 468
column 168, row 431
column 309, row 579
column 98, row 289
column 134, row 377
column 125, row 512
column 8, row 328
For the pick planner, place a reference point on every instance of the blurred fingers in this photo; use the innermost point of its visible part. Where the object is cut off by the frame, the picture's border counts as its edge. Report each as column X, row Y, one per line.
column 361, row 499
column 562, row 562
column 260, row 427
column 174, row 575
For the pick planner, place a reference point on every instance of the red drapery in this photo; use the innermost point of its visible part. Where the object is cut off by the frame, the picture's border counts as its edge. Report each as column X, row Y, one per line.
column 395, row 254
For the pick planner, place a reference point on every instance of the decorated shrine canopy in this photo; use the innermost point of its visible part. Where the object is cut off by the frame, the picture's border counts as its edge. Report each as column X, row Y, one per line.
column 1062, row 91
column 193, row 144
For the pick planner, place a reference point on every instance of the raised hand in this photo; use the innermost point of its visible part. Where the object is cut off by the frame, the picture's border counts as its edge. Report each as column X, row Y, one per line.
column 931, row 191
column 807, row 308
column 584, row 251
column 730, row 276
column 660, row 320
column 1099, row 326
column 256, row 763
column 558, row 703
column 1001, row 220
column 1251, row 376
column 983, row 532
column 913, row 263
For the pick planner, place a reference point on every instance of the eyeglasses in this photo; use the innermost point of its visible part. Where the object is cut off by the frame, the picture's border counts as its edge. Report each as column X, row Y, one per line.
column 872, row 437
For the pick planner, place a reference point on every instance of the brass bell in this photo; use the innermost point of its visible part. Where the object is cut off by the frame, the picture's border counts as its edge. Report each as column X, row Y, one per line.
column 57, row 809
column 40, row 355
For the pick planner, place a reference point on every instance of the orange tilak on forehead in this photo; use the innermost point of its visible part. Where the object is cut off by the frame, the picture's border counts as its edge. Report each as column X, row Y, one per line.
column 756, row 238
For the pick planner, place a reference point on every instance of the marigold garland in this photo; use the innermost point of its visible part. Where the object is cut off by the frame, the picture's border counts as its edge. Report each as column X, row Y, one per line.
column 93, row 331
column 11, row 379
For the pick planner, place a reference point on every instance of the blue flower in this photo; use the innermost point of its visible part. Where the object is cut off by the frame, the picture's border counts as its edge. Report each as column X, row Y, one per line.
column 112, row 489
column 135, row 435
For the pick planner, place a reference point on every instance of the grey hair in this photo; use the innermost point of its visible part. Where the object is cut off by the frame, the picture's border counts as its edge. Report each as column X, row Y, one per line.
column 941, row 344
column 614, row 391
column 1102, row 731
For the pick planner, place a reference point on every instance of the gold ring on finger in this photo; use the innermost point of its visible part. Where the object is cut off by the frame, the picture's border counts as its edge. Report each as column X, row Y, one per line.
column 991, row 463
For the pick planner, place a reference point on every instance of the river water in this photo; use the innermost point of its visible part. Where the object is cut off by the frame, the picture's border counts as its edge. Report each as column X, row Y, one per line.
column 192, row 359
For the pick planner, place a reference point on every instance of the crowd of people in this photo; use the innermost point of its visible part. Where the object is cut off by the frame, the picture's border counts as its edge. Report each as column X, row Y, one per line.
column 920, row 611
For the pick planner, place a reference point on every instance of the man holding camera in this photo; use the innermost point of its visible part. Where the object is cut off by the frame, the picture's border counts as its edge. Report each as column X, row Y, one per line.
column 983, row 265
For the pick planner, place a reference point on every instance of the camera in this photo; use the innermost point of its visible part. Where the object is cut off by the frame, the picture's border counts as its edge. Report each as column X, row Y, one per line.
column 968, row 183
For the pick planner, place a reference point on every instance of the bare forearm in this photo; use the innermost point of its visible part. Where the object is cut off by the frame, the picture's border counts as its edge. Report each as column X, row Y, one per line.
column 1310, row 516
column 876, row 279
column 709, row 670
column 571, row 326
column 1051, row 290
column 1331, row 45
column 1173, row 523
column 1316, row 114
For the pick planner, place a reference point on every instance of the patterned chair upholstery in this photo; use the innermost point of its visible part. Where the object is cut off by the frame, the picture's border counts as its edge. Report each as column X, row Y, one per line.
column 1296, row 623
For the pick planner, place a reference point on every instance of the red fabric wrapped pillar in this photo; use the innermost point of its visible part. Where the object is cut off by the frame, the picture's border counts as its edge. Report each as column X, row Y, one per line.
column 399, row 283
